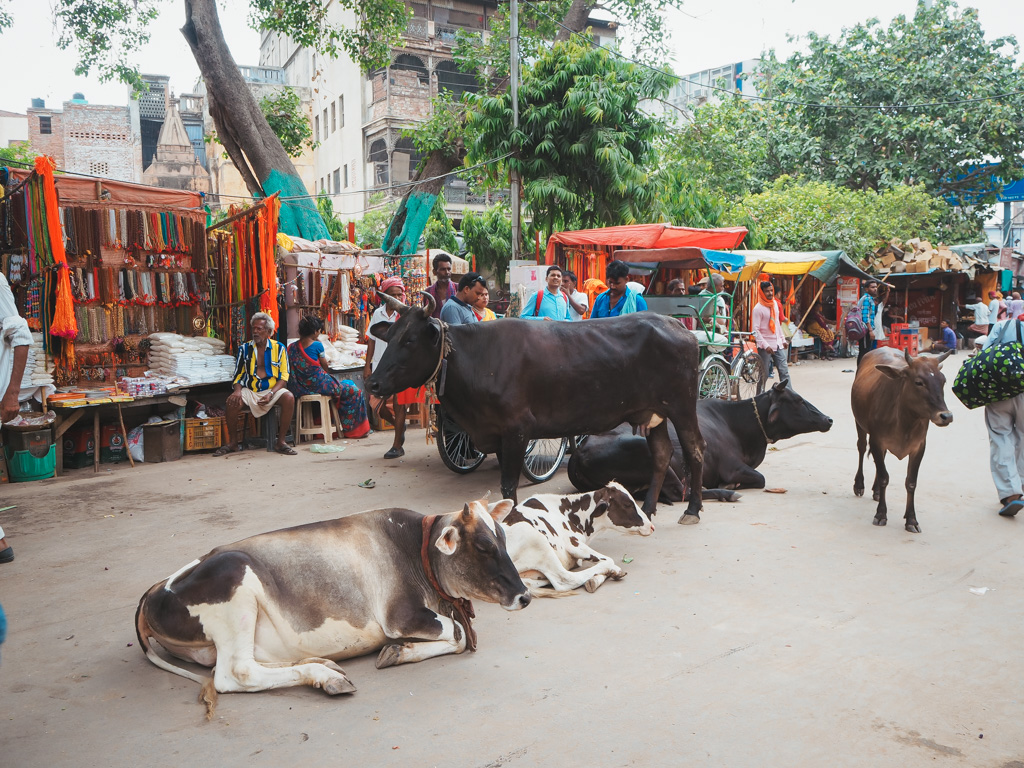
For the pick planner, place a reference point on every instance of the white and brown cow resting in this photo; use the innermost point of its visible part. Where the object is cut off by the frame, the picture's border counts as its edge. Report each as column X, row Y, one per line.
column 278, row 609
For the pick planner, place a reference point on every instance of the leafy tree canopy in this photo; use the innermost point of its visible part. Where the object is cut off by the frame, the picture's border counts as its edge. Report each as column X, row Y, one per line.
column 488, row 236
column 371, row 227
column 335, row 227
column 289, row 122
column 18, row 153
column 583, row 148
column 439, row 232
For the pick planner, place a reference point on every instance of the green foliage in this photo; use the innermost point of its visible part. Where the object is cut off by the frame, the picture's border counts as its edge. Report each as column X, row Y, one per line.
column 107, row 34
column 488, row 236
column 938, row 55
column 439, row 232
column 442, row 129
column 18, row 154
column 335, row 227
column 370, row 229
column 798, row 215
column 286, row 118
column 583, row 147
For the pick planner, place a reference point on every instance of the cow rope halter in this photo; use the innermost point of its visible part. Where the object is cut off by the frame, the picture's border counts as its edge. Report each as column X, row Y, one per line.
column 433, row 396
column 753, row 402
column 460, row 605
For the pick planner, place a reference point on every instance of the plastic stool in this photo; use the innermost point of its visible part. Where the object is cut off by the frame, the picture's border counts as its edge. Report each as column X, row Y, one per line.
column 330, row 421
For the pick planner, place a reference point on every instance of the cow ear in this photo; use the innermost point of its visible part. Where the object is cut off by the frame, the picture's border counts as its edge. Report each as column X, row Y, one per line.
column 600, row 509
column 448, row 541
column 500, row 509
column 781, row 385
column 381, row 330
column 892, row 373
column 434, row 331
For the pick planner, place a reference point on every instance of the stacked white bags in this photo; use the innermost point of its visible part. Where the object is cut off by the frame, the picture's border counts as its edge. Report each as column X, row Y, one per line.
column 36, row 374
column 343, row 353
column 200, row 359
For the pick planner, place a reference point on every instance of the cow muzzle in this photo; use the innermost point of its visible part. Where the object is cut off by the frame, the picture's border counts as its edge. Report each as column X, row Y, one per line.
column 942, row 419
column 519, row 602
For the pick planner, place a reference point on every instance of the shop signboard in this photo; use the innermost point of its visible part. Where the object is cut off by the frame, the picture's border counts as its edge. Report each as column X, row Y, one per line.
column 847, row 290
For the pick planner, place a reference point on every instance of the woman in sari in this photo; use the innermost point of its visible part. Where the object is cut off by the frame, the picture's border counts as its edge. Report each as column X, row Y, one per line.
column 817, row 325
column 310, row 376
column 481, row 310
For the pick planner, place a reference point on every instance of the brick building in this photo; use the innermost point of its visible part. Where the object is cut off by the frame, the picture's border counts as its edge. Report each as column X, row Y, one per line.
column 97, row 140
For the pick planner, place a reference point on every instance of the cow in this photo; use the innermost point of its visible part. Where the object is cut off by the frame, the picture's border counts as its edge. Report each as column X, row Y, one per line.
column 510, row 381
column 894, row 396
column 737, row 433
column 279, row 609
column 547, row 535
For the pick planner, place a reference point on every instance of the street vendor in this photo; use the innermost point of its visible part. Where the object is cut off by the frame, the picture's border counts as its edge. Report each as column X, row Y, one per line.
column 442, row 289
column 618, row 299
column 15, row 339
column 260, row 383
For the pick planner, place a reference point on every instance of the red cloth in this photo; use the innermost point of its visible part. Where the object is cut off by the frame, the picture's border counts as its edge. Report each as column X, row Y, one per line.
column 648, row 236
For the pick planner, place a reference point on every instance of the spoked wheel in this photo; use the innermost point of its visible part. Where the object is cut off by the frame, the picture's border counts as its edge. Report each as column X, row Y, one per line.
column 543, row 458
column 714, row 381
column 456, row 449
column 749, row 374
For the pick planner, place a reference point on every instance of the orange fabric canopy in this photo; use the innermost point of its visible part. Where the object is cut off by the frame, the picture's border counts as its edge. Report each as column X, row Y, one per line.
column 81, row 190
column 648, row 236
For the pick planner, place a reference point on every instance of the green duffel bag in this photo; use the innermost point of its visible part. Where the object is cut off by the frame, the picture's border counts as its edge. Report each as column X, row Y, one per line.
column 993, row 375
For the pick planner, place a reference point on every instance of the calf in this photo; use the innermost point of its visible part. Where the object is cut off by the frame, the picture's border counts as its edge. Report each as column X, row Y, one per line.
column 278, row 609
column 547, row 536
column 894, row 396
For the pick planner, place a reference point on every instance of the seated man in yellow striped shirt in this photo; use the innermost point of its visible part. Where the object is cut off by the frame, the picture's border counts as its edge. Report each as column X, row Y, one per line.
column 261, row 381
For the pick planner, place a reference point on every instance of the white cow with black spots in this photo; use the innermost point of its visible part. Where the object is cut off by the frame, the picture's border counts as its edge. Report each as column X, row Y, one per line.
column 546, row 536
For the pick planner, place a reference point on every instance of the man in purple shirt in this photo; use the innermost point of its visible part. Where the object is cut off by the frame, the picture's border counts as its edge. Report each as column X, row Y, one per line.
column 441, row 290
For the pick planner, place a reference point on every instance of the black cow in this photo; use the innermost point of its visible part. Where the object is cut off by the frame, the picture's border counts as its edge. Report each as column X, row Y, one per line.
column 511, row 381
column 737, row 434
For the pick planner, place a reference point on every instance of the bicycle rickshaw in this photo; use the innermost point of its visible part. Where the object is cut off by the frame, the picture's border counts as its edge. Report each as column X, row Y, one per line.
column 739, row 378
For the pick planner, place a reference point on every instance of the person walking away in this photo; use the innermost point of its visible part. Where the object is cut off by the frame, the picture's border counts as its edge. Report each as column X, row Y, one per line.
column 551, row 303
column 15, row 339
column 768, row 335
column 618, row 299
column 459, row 309
column 394, row 409
column 579, row 303
column 309, row 374
column 481, row 310
column 1014, row 306
column 996, row 307
column 1005, row 423
column 441, row 289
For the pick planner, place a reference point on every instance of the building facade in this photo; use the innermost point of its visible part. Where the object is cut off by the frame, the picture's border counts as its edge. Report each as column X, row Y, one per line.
column 13, row 128
column 91, row 139
column 174, row 164
column 697, row 88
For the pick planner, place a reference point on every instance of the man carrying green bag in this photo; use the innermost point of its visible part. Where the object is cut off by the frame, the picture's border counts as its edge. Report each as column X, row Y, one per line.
column 995, row 378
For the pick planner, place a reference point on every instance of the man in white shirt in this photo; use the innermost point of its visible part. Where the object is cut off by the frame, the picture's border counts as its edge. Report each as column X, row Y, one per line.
column 15, row 339
column 981, row 316
column 579, row 302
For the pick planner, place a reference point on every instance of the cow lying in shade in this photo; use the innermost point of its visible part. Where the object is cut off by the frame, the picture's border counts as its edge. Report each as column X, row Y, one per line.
column 278, row 609
column 737, row 433
column 546, row 536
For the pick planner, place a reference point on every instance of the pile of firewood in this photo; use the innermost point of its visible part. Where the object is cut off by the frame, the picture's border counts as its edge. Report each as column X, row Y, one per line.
column 915, row 255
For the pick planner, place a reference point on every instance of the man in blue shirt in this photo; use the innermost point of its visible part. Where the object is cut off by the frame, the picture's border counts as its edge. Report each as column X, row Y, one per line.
column 867, row 315
column 551, row 303
column 948, row 340
column 618, row 299
column 458, row 310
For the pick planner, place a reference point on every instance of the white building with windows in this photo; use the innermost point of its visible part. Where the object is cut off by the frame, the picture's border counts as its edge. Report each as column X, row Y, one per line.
column 697, row 88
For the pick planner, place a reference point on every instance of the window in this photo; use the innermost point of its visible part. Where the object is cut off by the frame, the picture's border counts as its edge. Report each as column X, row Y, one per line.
column 325, row 122
column 99, row 169
column 334, row 117
column 409, row 63
column 44, row 125
column 316, row 128
column 345, row 169
column 341, row 111
column 379, row 158
column 337, row 180
column 450, row 78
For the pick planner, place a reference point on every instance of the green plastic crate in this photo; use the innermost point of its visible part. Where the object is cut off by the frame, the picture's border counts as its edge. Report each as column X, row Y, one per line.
column 23, row 467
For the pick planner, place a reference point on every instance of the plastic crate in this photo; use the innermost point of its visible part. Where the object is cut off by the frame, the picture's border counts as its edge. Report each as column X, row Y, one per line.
column 203, row 434
column 24, row 467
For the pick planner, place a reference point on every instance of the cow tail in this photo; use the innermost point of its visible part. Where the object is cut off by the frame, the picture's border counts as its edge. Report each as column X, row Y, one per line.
column 145, row 633
column 548, row 592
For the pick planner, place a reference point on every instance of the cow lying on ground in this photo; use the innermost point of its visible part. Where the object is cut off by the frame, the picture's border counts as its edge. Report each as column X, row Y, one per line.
column 737, row 435
column 508, row 382
column 894, row 396
column 546, row 537
column 277, row 610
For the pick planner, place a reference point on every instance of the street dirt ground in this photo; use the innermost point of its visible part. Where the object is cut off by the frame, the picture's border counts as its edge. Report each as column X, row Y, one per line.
column 784, row 630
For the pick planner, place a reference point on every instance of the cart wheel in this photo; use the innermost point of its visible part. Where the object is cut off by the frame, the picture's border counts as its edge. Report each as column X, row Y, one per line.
column 714, row 381
column 749, row 374
column 543, row 458
column 456, row 449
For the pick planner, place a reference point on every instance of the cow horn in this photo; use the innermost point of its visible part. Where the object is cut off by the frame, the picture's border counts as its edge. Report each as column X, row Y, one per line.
column 906, row 354
column 943, row 356
column 393, row 304
column 428, row 310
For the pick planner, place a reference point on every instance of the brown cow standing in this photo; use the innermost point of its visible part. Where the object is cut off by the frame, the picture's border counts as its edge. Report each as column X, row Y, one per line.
column 894, row 397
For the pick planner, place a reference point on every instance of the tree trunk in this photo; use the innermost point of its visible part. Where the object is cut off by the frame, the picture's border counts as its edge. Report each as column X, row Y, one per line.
column 243, row 129
column 414, row 210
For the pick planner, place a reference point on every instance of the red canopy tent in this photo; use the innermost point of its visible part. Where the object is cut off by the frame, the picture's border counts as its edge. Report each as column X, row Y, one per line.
column 646, row 236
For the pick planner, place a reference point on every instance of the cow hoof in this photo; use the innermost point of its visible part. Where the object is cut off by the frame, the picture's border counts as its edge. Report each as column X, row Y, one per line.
column 332, row 666
column 689, row 520
column 618, row 575
column 913, row 528
column 879, row 521
column 339, row 685
column 858, row 491
column 388, row 656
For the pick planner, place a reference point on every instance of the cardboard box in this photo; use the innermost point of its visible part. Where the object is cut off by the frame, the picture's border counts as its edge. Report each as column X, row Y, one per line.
column 919, row 265
column 79, row 448
column 112, row 447
column 888, row 259
column 161, row 441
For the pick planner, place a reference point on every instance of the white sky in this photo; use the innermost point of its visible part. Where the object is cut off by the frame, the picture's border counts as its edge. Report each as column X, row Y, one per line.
column 721, row 33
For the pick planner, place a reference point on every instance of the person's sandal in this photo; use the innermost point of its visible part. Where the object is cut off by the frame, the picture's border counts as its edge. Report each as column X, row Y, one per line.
column 1012, row 508
column 224, row 450
column 6, row 555
column 395, row 453
column 285, row 450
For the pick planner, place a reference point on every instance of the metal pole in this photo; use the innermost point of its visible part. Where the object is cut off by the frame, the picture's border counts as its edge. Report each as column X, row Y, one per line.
column 514, row 92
